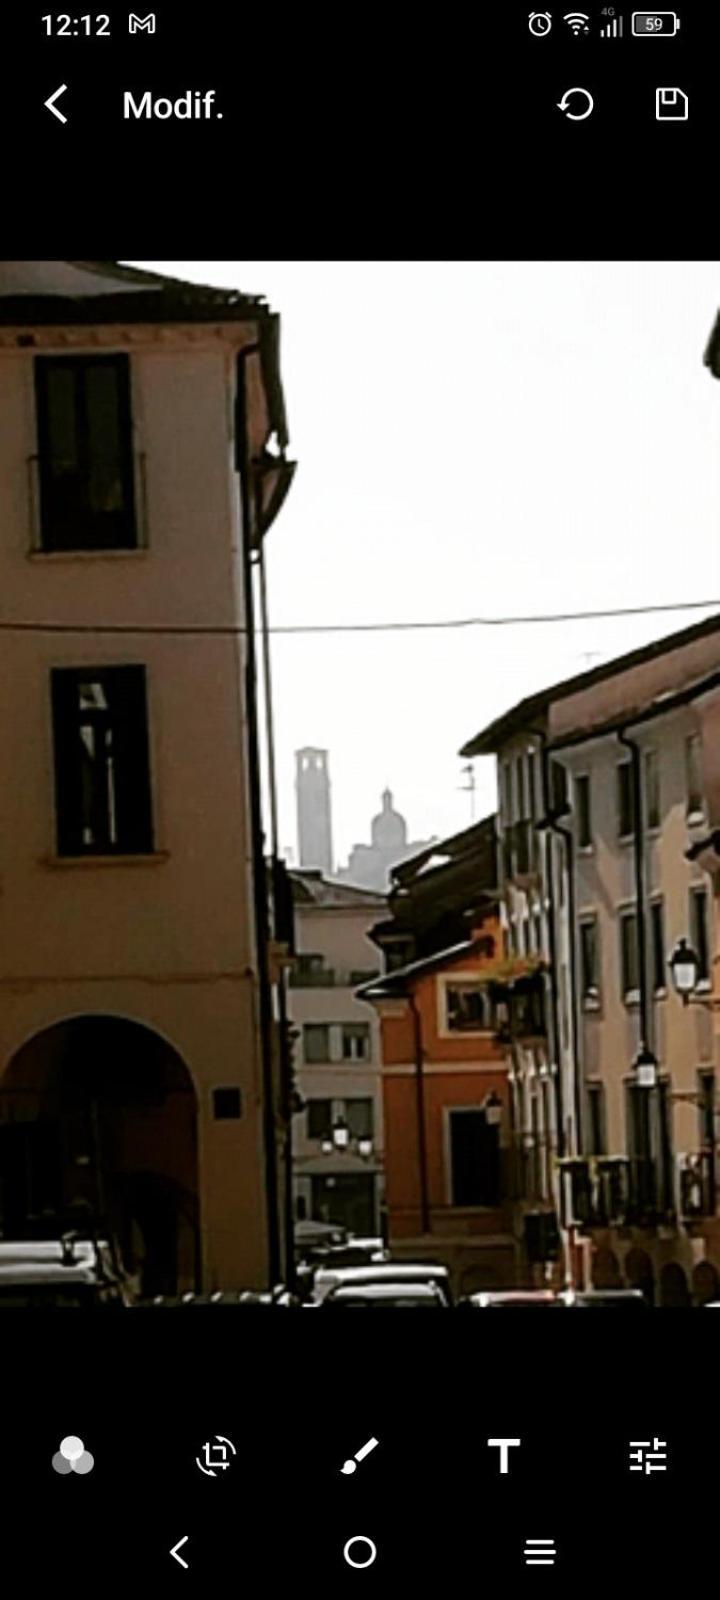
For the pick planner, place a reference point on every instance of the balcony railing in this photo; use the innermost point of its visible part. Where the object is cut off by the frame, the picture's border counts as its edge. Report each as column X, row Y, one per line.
column 698, row 1190
column 616, row 1191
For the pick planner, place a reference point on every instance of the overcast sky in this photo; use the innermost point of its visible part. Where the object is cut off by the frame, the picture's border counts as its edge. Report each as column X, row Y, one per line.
column 474, row 439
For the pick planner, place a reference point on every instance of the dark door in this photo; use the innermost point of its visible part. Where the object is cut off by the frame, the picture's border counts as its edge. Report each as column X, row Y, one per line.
column 474, row 1159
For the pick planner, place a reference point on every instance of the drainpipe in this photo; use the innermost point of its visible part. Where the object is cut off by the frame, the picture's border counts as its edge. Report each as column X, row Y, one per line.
column 259, row 870
column 634, row 749
column 420, row 1107
column 566, row 835
column 552, row 940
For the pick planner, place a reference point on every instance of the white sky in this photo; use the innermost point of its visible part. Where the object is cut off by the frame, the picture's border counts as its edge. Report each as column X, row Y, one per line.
column 474, row 438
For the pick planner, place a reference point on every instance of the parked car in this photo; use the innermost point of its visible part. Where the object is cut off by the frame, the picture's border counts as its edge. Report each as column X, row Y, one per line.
column 512, row 1297
column 401, row 1274
column 562, row 1300
column 619, row 1298
column 69, row 1271
column 424, row 1296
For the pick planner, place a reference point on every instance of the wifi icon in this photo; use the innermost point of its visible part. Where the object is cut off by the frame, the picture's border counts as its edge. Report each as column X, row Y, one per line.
column 578, row 21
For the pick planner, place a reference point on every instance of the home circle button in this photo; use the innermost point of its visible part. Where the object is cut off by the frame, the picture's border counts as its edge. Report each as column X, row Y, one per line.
column 360, row 1551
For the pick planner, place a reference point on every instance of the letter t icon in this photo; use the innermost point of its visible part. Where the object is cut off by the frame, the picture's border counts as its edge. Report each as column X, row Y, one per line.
column 504, row 1446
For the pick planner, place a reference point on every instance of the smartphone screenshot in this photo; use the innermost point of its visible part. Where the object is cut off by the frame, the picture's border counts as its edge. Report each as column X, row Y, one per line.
column 360, row 801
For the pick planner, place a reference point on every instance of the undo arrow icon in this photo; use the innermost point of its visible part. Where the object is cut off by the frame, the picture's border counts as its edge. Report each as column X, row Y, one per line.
column 576, row 116
column 51, row 103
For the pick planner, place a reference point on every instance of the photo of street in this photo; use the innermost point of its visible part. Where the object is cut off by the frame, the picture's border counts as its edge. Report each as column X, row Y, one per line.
column 360, row 832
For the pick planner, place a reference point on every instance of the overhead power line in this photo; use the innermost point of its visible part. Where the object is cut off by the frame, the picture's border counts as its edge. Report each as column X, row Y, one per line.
column 181, row 629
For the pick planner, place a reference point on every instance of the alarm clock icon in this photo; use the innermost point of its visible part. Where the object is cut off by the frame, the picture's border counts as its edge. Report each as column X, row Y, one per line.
column 540, row 23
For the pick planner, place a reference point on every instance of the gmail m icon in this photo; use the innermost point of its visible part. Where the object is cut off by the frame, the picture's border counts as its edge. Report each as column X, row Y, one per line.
column 142, row 24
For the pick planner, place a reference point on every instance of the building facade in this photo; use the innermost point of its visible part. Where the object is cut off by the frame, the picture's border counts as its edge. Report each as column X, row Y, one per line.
column 136, row 487
column 607, row 787
column 338, row 1138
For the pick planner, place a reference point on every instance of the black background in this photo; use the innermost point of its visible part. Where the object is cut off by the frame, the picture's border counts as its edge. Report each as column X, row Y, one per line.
column 351, row 133
column 362, row 132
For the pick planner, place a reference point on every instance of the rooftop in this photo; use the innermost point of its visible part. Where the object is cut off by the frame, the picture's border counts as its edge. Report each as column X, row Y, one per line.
column 533, row 709
column 311, row 887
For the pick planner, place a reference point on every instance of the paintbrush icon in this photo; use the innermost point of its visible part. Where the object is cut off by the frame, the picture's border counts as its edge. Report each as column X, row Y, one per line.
column 351, row 1465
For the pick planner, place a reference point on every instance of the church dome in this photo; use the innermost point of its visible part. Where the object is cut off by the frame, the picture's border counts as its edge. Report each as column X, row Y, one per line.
column 388, row 828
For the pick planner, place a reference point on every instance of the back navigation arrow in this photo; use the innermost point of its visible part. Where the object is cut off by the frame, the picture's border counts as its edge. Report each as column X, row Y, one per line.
column 51, row 103
column 178, row 1546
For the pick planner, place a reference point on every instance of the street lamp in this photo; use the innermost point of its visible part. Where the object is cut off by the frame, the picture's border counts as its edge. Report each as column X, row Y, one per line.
column 365, row 1147
column 645, row 1068
column 340, row 1134
column 493, row 1110
column 684, row 967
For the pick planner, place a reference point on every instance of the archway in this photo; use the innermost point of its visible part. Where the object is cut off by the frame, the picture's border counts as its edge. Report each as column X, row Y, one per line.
column 705, row 1283
column 674, row 1286
column 639, row 1273
column 98, row 1127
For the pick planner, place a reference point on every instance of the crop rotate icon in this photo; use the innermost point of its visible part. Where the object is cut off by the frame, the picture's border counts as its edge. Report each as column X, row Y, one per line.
column 73, row 1457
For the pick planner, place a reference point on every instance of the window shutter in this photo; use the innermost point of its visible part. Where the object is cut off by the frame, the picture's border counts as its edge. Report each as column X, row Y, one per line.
column 127, row 697
column 68, row 769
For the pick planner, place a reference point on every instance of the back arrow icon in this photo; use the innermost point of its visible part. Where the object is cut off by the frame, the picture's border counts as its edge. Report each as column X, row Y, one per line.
column 576, row 116
column 51, row 103
column 178, row 1546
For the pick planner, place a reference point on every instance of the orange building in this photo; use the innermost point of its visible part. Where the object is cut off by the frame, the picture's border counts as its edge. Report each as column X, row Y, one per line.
column 446, row 1109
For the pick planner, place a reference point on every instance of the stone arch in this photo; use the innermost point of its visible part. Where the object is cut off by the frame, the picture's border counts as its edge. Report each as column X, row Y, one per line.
column 674, row 1289
column 98, row 1125
column 606, row 1272
column 705, row 1283
column 639, row 1273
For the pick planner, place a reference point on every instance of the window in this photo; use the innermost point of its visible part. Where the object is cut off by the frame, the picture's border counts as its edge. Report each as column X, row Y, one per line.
column 356, row 1041
column 625, row 800
column 359, row 1118
column 85, row 459
column 582, row 808
column 657, row 945
column 693, row 776
column 102, row 763
column 629, row 962
column 589, row 961
column 706, row 1110
column 474, row 1159
column 559, row 788
column 596, row 1119
column 319, row 1119
column 520, row 788
column 227, row 1105
column 537, row 931
column 507, row 793
column 652, row 789
column 532, row 761
column 316, row 1041
column 467, row 1007
column 699, row 932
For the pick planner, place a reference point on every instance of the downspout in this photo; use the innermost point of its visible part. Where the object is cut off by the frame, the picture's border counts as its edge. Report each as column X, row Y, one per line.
column 566, row 835
column 259, row 872
column 634, row 749
column 283, row 1019
column 552, row 944
column 420, row 1111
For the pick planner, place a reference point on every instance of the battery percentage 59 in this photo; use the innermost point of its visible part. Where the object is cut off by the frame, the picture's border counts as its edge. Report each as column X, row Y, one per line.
column 655, row 24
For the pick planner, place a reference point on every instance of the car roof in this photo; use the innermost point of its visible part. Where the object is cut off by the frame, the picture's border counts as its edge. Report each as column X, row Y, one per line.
column 515, row 1297
column 384, row 1291
column 52, row 1272
column 383, row 1272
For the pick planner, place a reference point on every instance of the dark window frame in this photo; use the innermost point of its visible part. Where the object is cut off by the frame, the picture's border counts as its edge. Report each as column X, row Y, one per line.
column 629, row 957
column 63, row 527
column 625, row 799
column 651, row 785
column 657, row 948
column 583, row 787
column 700, row 932
column 122, row 732
column 317, row 1028
column 590, row 991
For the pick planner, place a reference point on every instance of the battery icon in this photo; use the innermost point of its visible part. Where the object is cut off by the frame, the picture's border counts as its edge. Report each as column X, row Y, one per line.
column 655, row 24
